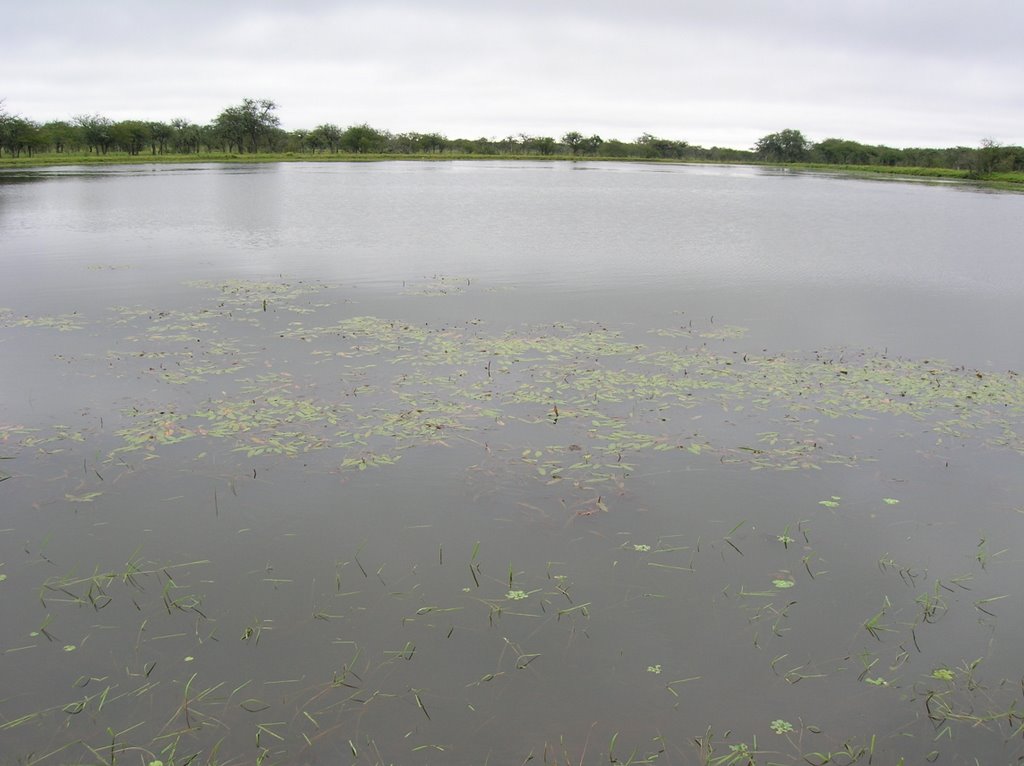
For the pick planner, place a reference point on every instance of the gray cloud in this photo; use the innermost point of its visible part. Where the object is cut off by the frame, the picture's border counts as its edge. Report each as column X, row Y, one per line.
column 710, row 72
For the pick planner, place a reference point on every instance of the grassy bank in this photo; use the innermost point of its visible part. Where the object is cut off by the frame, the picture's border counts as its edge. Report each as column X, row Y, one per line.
column 948, row 173
column 1008, row 180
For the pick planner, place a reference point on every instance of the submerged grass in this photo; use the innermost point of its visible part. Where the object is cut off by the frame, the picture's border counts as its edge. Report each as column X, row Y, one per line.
column 386, row 663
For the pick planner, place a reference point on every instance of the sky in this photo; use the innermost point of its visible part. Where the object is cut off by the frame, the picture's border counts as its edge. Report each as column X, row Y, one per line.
column 710, row 72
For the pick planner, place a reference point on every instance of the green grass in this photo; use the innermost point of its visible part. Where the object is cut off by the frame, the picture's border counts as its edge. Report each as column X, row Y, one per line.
column 889, row 170
column 1000, row 179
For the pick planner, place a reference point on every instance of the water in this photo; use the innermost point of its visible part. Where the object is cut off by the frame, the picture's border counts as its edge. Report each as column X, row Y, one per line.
column 464, row 462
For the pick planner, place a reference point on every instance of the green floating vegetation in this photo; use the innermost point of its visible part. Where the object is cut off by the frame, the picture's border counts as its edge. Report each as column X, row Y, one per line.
column 438, row 285
column 585, row 399
column 249, row 295
column 780, row 726
column 60, row 322
column 943, row 674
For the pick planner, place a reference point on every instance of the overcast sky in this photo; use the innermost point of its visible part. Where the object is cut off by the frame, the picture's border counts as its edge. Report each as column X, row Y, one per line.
column 711, row 72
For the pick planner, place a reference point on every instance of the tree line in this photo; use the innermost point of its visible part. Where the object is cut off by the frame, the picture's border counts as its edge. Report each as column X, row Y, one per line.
column 791, row 146
column 253, row 126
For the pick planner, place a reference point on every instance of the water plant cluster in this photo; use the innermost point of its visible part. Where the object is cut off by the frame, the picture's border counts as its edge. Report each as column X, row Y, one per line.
column 414, row 645
column 377, row 386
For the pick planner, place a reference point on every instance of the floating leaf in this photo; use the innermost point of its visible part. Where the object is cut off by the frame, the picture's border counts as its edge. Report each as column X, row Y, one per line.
column 88, row 497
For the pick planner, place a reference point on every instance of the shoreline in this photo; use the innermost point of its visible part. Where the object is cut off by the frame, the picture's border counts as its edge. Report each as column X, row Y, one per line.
column 1008, row 180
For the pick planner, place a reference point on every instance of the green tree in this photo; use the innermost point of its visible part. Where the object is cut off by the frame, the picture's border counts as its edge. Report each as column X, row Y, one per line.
column 302, row 141
column 613, row 147
column 510, row 145
column 921, row 158
column 210, row 138
column 591, row 145
column 785, row 146
column 838, row 151
column 472, row 146
column 131, row 135
column 662, row 148
column 160, row 134
column 61, row 135
column 362, row 139
column 544, row 145
column 95, row 131
column 992, row 157
column 277, row 140
column 431, row 143
column 19, row 135
column 580, row 144
column 248, row 124
column 574, row 140
column 326, row 136
column 185, row 136
column 229, row 128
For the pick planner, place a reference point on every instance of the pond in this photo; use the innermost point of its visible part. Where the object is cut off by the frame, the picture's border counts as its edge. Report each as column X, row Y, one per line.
column 435, row 463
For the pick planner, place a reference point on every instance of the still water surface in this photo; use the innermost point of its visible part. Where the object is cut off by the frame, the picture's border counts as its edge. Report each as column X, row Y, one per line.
column 473, row 462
